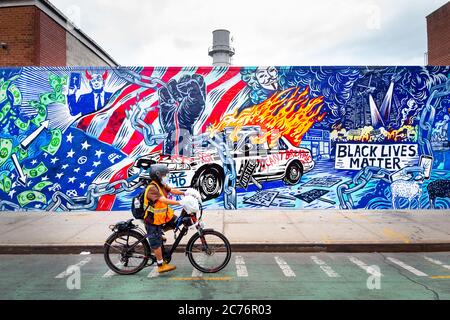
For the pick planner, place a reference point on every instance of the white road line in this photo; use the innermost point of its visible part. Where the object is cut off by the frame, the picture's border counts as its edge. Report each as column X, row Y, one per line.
column 325, row 268
column 284, row 267
column 196, row 273
column 365, row 267
column 154, row 273
column 407, row 267
column 111, row 273
column 439, row 263
column 241, row 269
column 79, row 264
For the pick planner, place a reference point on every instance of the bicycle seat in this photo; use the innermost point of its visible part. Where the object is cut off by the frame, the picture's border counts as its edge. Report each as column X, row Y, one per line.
column 124, row 225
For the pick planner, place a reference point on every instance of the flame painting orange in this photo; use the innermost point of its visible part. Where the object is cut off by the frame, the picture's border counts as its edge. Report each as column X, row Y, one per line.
column 289, row 113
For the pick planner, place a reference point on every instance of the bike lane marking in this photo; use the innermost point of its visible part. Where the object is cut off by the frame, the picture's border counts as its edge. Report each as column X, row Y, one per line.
column 325, row 268
column 154, row 273
column 202, row 279
column 241, row 269
column 79, row 265
column 437, row 262
column 196, row 273
column 111, row 273
column 407, row 267
column 440, row 277
column 284, row 267
column 365, row 267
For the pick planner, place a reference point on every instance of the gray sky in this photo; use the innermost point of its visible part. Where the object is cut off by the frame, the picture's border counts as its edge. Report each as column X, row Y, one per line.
column 265, row 32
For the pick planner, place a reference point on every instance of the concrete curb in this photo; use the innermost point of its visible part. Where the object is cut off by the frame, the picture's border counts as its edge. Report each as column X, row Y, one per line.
column 245, row 247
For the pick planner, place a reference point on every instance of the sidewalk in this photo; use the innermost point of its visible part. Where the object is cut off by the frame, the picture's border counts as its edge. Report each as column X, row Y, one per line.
column 247, row 230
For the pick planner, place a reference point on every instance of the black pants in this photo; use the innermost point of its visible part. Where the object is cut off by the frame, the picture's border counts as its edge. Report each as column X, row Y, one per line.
column 155, row 232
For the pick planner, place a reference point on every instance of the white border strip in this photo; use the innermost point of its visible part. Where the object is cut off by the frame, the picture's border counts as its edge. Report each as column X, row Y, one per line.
column 285, row 267
column 325, row 268
column 241, row 269
column 407, row 267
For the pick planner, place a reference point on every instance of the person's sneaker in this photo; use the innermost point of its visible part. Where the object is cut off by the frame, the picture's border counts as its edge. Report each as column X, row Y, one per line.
column 166, row 268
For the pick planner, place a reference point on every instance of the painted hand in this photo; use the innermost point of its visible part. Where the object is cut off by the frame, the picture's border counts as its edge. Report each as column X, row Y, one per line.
column 181, row 104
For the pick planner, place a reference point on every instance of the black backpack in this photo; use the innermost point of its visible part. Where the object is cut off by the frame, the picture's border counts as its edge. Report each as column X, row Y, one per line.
column 137, row 206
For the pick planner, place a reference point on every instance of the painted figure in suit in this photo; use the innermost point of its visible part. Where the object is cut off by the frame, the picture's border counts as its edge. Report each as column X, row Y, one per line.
column 90, row 102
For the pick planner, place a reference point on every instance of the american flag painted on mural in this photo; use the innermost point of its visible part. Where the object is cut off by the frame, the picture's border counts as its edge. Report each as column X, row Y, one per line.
column 225, row 91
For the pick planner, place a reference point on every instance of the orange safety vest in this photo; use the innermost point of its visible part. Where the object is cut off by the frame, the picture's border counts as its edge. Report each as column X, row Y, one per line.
column 160, row 213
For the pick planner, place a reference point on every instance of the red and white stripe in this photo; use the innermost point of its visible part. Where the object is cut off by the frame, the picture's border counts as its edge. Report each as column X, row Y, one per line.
column 225, row 92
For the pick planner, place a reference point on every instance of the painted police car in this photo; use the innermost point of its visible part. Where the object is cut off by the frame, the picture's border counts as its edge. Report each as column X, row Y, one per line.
column 255, row 164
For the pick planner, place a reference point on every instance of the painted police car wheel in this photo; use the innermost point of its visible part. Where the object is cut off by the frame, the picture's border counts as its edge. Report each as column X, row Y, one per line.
column 293, row 174
column 210, row 183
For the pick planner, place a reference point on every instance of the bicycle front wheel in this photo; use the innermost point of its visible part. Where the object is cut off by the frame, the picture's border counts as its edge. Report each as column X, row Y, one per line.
column 210, row 252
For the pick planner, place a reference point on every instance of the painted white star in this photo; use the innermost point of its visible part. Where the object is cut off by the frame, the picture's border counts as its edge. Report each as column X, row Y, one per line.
column 85, row 145
column 99, row 153
column 13, row 175
column 72, row 180
column 29, row 183
column 45, row 155
column 69, row 137
column 89, row 174
column 11, row 193
column 70, row 153
column 77, row 170
column 82, row 185
column 54, row 160
column 14, row 184
column 45, row 178
column 34, row 161
column 64, row 167
column 59, row 175
column 96, row 164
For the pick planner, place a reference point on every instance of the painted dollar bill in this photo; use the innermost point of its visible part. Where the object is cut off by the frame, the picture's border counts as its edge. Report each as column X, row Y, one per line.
column 9, row 86
column 4, row 111
column 46, row 99
column 41, row 113
column 22, row 125
column 5, row 150
column 42, row 185
column 36, row 172
column 5, row 184
column 27, row 197
column 55, row 142
column 23, row 154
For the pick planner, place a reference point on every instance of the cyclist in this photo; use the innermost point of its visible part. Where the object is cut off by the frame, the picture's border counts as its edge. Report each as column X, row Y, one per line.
column 160, row 216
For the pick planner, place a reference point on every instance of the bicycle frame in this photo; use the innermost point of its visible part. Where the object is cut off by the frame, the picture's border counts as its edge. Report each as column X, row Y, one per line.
column 183, row 232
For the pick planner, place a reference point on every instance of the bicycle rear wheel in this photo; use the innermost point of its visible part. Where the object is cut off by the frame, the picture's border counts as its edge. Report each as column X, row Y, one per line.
column 126, row 252
column 210, row 252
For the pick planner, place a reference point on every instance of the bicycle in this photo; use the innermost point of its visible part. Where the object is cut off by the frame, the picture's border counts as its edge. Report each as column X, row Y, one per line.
column 132, row 249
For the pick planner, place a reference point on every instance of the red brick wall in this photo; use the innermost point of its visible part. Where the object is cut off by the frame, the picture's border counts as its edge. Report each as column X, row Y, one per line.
column 439, row 36
column 33, row 38
column 17, row 29
column 51, row 42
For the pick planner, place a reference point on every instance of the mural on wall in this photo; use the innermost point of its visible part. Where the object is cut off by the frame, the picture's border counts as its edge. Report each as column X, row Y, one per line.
column 245, row 137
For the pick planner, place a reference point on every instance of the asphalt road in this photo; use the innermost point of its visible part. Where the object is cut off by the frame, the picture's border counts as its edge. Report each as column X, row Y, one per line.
column 248, row 276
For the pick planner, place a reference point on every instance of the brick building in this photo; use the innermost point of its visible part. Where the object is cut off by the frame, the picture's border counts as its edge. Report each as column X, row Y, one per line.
column 438, row 25
column 36, row 33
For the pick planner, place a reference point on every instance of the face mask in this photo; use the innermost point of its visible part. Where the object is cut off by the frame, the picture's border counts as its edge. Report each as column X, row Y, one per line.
column 165, row 180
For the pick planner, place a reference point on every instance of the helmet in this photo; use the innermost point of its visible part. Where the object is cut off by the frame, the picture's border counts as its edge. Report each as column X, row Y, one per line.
column 157, row 171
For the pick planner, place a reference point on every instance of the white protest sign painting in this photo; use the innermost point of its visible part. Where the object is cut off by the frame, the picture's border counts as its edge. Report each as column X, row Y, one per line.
column 387, row 156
